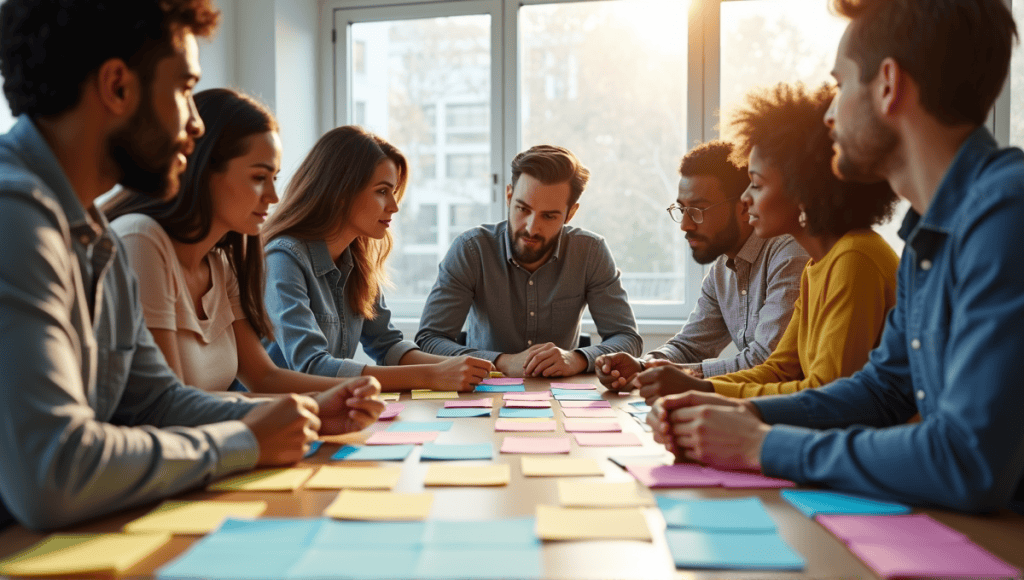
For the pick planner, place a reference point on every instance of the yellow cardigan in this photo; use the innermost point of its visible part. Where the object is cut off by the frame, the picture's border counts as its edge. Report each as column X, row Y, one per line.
column 837, row 320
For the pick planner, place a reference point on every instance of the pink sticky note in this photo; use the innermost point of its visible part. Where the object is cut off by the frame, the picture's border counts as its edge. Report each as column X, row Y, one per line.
column 391, row 411
column 401, row 437
column 585, row 404
column 485, row 403
column 590, row 426
column 535, row 445
column 588, row 413
column 916, row 529
column 573, row 387
column 607, row 439
column 528, row 396
column 748, row 480
column 501, row 382
column 514, row 403
column 679, row 475
column 512, row 425
column 943, row 561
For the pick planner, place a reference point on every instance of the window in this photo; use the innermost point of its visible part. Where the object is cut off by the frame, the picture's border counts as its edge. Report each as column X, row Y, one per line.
column 359, row 57
column 359, row 113
column 1017, row 82
column 467, row 166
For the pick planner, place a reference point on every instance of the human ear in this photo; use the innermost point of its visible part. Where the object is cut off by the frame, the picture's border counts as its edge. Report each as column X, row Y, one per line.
column 117, row 87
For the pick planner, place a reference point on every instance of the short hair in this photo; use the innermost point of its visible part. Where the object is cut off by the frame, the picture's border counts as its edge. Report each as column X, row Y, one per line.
column 957, row 51
column 551, row 164
column 714, row 159
column 48, row 48
column 785, row 124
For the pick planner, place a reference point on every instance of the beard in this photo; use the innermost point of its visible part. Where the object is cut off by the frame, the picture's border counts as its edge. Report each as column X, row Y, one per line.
column 524, row 255
column 860, row 156
column 145, row 154
column 721, row 243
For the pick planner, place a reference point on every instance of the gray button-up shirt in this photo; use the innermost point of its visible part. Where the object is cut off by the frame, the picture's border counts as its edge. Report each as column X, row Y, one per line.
column 748, row 300
column 511, row 309
column 92, row 420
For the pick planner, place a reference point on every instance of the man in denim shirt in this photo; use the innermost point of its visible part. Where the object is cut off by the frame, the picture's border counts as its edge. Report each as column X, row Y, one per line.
column 917, row 80
column 92, row 418
column 524, row 282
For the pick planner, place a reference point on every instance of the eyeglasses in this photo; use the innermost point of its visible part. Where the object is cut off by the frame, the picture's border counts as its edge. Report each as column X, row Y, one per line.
column 675, row 211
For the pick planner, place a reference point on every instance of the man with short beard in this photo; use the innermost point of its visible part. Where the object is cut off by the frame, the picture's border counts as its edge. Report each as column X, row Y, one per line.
column 747, row 296
column 93, row 420
column 524, row 282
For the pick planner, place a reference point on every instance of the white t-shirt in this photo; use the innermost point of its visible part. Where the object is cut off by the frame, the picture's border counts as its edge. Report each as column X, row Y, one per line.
column 206, row 347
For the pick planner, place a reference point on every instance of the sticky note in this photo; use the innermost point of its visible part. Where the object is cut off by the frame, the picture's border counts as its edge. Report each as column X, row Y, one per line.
column 918, row 529
column 607, row 439
column 60, row 554
column 313, row 448
column 374, row 453
column 496, row 374
column 560, row 466
column 507, row 413
column 731, row 551
column 640, row 407
column 602, row 404
column 502, row 381
column 434, row 451
column 363, row 562
column 193, row 517
column 530, row 396
column 331, row 477
column 449, row 413
column 503, row 533
column 535, row 445
column 556, row 523
column 588, row 413
column 486, row 402
column 428, row 394
column 389, row 396
column 812, row 503
column 380, row 505
column 965, row 560
column 737, row 515
column 575, row 493
column 523, row 425
column 356, row 534
column 577, row 396
column 589, row 425
column 391, row 411
column 573, row 387
column 250, row 562
column 420, row 426
column 747, row 479
column 439, row 474
column 500, row 388
column 265, row 480
column 528, row 404
column 268, row 531
column 400, row 437
column 679, row 475
column 446, row 562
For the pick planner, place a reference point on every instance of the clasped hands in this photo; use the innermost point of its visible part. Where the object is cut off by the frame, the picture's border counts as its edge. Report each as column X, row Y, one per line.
column 542, row 360
column 621, row 372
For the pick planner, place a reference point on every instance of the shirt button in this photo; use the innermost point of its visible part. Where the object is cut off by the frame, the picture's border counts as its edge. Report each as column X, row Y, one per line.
column 531, row 282
column 529, row 342
column 743, row 292
column 531, row 314
column 84, row 239
column 915, row 344
column 920, row 395
column 926, row 265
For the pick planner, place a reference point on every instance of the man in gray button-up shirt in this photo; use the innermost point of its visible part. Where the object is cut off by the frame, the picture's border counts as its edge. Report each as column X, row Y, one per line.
column 524, row 282
column 747, row 296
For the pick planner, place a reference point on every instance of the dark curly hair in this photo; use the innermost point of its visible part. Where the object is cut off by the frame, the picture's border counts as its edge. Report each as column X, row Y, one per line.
column 48, row 48
column 786, row 124
column 714, row 158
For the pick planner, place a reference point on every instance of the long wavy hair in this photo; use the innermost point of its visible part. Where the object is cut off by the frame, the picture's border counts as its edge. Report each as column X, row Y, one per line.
column 319, row 198
column 231, row 118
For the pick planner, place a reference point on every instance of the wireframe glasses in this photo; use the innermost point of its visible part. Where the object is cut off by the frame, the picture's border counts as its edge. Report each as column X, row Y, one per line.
column 675, row 211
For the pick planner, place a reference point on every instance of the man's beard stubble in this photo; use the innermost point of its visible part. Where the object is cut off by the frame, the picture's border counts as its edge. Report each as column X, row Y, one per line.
column 145, row 155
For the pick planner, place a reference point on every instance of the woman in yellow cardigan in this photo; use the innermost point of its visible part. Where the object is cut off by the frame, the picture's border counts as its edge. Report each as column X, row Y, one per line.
column 849, row 284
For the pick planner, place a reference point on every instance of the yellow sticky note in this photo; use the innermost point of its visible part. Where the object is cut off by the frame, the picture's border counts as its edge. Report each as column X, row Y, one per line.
column 194, row 517
column 428, row 394
column 496, row 374
column 574, row 493
column 61, row 554
column 389, row 396
column 556, row 523
column 265, row 480
column 448, row 474
column 355, row 477
column 559, row 466
column 380, row 505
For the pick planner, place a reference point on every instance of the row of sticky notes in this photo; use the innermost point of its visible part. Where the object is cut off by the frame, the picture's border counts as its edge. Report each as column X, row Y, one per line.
column 693, row 475
column 60, row 554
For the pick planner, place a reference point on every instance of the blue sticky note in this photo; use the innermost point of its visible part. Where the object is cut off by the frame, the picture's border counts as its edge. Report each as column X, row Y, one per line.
column 416, row 426
column 366, row 562
column 276, row 532
column 218, row 561
column 456, row 412
column 746, row 514
column 498, row 563
column 433, row 451
column 731, row 551
column 512, row 533
column 313, row 448
column 640, row 406
column 510, row 412
column 576, row 396
column 500, row 388
column 373, row 453
column 812, row 503
column 345, row 534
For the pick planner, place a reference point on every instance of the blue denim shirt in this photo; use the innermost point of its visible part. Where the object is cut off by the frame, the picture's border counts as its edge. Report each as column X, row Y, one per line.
column 92, row 420
column 316, row 330
column 952, row 350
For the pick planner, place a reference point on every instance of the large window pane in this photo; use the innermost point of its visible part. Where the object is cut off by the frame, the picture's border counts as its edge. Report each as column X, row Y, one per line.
column 1017, row 82
column 608, row 81
column 425, row 86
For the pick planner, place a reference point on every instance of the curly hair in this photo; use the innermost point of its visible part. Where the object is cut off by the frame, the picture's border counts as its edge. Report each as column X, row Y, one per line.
column 714, row 158
column 786, row 124
column 48, row 48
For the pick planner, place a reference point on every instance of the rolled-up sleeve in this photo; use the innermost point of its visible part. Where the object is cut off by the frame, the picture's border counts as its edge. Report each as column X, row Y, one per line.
column 449, row 303
column 381, row 340
column 609, row 307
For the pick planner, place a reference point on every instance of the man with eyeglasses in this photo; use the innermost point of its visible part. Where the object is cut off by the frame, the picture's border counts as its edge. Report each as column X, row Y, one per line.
column 747, row 296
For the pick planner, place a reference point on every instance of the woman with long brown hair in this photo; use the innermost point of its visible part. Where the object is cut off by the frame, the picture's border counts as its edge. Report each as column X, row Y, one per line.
column 325, row 253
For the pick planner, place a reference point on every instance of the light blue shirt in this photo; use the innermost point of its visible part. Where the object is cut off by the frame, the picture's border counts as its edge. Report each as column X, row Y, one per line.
column 951, row 350
column 92, row 420
column 315, row 329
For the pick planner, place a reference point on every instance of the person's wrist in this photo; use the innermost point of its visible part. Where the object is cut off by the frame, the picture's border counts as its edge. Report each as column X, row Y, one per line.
column 642, row 364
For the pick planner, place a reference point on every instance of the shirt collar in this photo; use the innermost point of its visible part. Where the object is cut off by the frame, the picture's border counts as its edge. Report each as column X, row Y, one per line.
column 321, row 257
column 507, row 242
column 751, row 249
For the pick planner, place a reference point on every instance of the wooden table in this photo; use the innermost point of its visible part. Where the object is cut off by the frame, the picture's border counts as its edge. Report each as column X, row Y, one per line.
column 1002, row 533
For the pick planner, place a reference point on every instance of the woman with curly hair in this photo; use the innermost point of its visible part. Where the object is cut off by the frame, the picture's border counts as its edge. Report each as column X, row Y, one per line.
column 849, row 284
